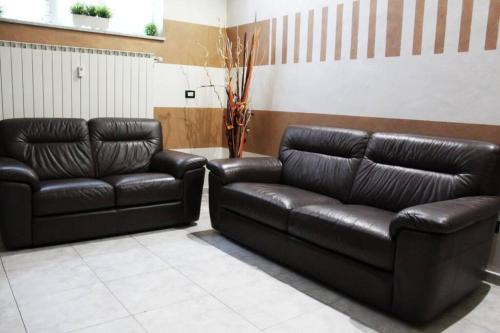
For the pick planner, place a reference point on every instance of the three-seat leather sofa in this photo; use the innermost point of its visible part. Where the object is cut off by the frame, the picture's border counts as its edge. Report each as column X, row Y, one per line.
column 402, row 222
column 68, row 179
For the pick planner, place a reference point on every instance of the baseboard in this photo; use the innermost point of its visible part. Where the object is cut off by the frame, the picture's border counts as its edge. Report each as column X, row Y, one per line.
column 492, row 277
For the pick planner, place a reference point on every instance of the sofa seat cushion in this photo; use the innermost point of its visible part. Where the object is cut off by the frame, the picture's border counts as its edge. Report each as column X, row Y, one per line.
column 73, row 195
column 361, row 232
column 145, row 188
column 269, row 203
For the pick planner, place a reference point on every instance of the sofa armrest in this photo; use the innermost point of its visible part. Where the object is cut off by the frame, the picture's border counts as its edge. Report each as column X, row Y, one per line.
column 444, row 217
column 176, row 163
column 260, row 169
column 12, row 170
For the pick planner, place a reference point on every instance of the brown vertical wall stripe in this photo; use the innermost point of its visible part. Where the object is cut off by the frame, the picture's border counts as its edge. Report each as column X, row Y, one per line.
column 273, row 41
column 338, row 31
column 310, row 35
column 372, row 29
column 465, row 25
column 441, row 26
column 394, row 28
column 354, row 29
column 324, row 33
column 493, row 25
column 284, row 41
column 264, row 27
column 296, row 46
column 418, row 28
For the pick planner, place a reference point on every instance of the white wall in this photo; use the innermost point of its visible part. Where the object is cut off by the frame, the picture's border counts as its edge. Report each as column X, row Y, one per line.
column 172, row 80
column 206, row 12
column 451, row 87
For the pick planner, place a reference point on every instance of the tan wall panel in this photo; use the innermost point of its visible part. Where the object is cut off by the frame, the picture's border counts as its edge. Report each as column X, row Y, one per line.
column 394, row 28
column 192, row 44
column 273, row 41
column 418, row 29
column 493, row 25
column 354, row 29
column 372, row 29
column 296, row 43
column 268, row 127
column 338, row 31
column 284, row 41
column 264, row 27
column 465, row 25
column 310, row 35
column 190, row 127
column 324, row 33
column 441, row 26
column 186, row 41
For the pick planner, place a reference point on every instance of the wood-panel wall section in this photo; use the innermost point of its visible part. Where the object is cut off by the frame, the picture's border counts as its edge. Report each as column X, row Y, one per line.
column 185, row 44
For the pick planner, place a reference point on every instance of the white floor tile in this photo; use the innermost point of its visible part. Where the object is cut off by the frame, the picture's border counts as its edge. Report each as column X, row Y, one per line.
column 222, row 243
column 124, row 325
column 6, row 297
column 184, row 251
column 324, row 320
column 38, row 281
column 482, row 308
column 204, row 315
column 106, row 246
column 267, row 302
column 72, row 309
column 309, row 287
column 10, row 319
column 39, row 257
column 220, row 273
column 116, row 265
column 154, row 290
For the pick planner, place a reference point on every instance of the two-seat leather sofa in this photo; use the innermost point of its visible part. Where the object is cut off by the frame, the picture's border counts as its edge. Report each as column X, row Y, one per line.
column 68, row 179
column 402, row 222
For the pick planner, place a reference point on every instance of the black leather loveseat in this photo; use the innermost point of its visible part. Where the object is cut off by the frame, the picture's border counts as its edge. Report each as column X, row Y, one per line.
column 402, row 222
column 68, row 179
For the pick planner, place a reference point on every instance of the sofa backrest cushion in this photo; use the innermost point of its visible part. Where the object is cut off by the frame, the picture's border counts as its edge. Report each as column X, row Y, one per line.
column 322, row 159
column 123, row 145
column 400, row 171
column 54, row 148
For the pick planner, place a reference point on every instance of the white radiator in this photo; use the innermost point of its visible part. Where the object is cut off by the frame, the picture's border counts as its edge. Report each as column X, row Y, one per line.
column 43, row 81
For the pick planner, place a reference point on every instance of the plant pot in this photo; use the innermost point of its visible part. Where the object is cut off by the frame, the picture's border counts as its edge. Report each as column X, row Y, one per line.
column 90, row 22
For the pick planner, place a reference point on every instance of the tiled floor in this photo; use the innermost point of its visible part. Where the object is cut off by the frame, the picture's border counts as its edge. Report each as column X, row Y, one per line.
column 190, row 280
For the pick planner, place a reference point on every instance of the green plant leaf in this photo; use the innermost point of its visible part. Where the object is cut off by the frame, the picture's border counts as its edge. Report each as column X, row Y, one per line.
column 78, row 9
column 151, row 29
column 103, row 11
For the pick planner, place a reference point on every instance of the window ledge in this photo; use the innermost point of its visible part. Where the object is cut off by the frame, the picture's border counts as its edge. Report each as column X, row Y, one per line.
column 65, row 27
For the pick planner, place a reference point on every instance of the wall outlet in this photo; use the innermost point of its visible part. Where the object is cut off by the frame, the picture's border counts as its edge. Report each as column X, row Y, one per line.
column 80, row 72
column 190, row 94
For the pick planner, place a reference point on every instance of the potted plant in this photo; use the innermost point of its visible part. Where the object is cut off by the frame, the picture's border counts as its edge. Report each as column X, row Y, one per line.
column 239, row 62
column 90, row 17
column 151, row 29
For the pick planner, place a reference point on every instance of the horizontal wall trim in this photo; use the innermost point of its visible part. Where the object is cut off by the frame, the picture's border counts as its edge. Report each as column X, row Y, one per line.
column 185, row 44
column 67, row 27
column 267, row 127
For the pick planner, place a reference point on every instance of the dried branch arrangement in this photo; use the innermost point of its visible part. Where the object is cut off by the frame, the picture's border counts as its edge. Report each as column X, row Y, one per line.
column 238, row 61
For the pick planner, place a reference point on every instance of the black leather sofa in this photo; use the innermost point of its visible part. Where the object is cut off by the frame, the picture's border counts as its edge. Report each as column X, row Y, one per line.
column 402, row 222
column 67, row 179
